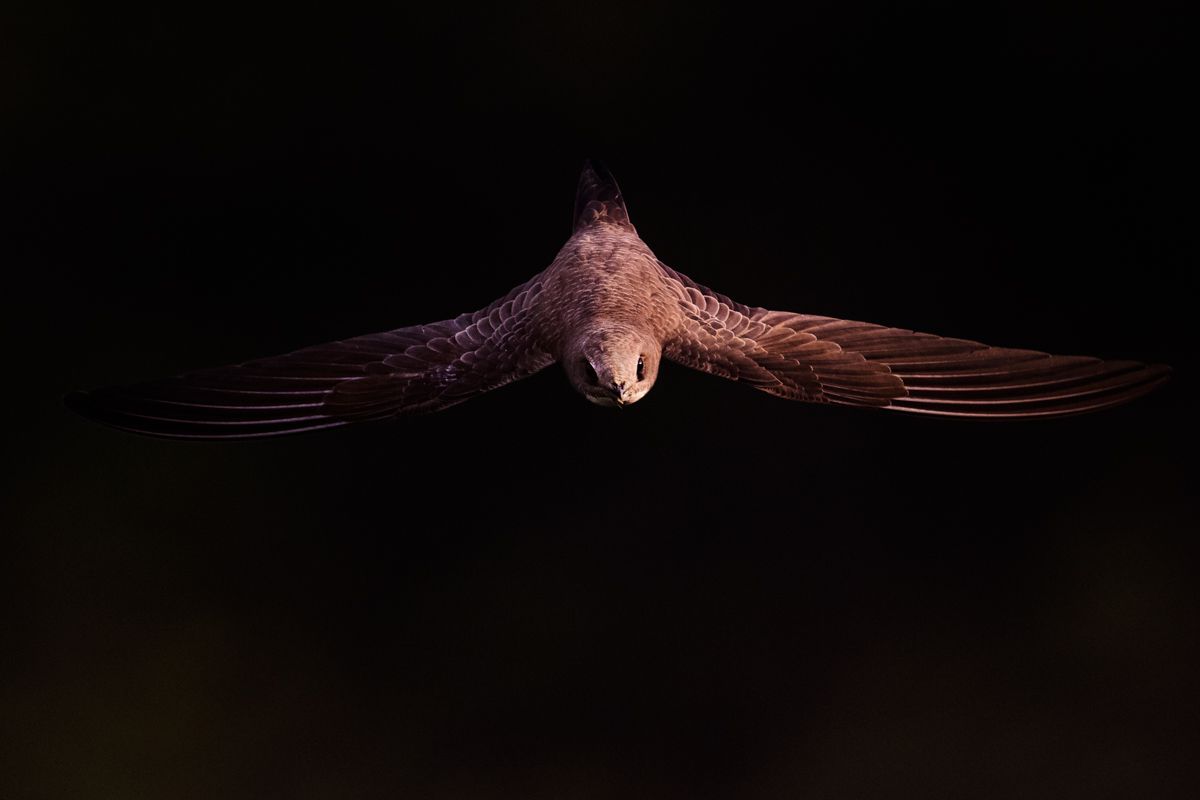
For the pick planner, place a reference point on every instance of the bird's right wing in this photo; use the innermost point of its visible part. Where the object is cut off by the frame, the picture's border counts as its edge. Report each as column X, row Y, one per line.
column 408, row 370
column 822, row 359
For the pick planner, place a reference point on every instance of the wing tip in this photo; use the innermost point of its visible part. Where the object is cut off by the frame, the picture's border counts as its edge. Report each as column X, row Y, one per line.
column 1138, row 382
column 114, row 409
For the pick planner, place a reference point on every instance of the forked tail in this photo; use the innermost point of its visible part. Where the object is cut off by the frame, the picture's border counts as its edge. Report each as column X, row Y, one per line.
column 598, row 199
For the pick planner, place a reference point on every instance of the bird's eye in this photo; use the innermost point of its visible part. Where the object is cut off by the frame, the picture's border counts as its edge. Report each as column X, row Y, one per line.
column 591, row 372
column 641, row 368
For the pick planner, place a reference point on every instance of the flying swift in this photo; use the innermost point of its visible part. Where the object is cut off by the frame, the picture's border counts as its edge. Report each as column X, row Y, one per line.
column 610, row 312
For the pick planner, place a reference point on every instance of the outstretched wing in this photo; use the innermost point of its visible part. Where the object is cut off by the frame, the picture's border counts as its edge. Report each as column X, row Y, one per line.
column 409, row 370
column 822, row 359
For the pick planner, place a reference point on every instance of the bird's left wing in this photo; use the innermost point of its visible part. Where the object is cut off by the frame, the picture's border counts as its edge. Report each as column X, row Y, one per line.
column 822, row 359
column 408, row 370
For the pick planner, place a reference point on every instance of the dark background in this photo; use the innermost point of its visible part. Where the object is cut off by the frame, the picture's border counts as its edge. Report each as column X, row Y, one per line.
column 711, row 594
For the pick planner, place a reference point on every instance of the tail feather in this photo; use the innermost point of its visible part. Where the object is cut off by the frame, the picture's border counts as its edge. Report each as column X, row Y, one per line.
column 598, row 199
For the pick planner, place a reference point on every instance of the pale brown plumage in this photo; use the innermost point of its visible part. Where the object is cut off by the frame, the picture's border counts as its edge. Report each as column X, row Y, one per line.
column 609, row 310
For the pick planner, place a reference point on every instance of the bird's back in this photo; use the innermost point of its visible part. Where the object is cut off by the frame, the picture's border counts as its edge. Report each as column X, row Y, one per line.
column 605, row 276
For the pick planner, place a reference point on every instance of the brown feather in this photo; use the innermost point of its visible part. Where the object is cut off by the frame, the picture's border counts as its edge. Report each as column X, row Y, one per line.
column 823, row 359
column 411, row 370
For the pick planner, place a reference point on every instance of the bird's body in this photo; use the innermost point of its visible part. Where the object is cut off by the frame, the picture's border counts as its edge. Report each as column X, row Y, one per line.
column 610, row 312
column 605, row 276
column 605, row 298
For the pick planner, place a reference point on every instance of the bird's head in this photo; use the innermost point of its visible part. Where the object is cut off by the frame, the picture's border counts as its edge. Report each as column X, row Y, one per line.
column 613, row 367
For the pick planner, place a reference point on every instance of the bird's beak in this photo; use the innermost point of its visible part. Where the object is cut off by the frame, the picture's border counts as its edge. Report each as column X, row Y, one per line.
column 618, row 392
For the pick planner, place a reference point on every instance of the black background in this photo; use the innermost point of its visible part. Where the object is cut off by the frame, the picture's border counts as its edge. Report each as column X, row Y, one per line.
column 711, row 594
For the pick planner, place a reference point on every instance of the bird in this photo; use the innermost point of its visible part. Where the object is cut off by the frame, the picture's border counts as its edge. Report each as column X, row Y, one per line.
column 610, row 312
